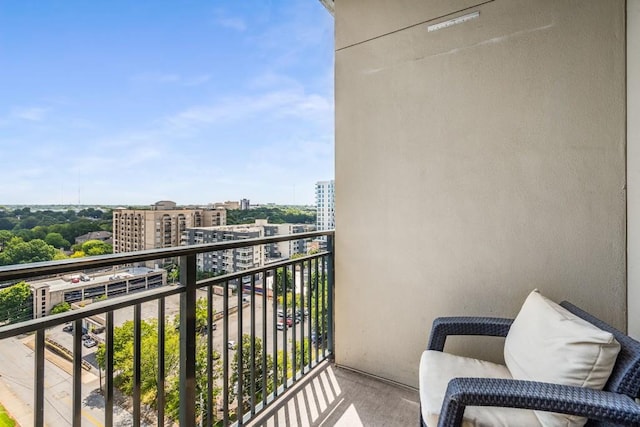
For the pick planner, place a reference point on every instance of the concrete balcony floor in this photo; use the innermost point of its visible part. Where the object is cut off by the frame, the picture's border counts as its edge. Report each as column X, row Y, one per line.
column 334, row 396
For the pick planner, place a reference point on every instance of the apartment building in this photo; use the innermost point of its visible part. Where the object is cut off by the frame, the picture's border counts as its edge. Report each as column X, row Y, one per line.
column 284, row 250
column 231, row 260
column 234, row 260
column 161, row 226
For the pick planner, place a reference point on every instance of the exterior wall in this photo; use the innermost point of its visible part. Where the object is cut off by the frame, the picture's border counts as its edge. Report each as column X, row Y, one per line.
column 633, row 164
column 489, row 159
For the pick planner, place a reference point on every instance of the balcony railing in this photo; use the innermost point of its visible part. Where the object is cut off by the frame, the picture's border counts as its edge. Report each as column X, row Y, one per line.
column 269, row 333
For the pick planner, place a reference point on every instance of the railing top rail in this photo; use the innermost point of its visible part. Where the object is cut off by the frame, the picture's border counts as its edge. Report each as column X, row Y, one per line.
column 23, row 271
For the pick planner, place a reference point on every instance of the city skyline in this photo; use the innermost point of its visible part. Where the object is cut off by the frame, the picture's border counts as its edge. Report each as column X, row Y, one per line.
column 127, row 103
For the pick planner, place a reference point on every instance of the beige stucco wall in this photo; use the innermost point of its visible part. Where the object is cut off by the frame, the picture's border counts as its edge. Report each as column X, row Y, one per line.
column 474, row 164
column 633, row 164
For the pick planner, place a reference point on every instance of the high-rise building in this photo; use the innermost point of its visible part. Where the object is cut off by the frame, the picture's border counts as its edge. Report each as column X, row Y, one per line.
column 159, row 227
column 325, row 205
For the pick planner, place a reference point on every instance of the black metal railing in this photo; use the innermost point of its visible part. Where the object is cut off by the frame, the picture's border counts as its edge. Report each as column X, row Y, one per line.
column 275, row 325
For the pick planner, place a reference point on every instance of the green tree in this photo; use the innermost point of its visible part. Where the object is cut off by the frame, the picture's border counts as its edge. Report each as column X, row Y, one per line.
column 7, row 223
column 17, row 251
column 56, row 240
column 301, row 357
column 16, row 303
column 123, row 364
column 280, row 280
column 28, row 222
column 5, row 236
column 174, row 274
column 123, row 357
column 61, row 308
column 24, row 233
column 246, row 364
column 96, row 247
column 39, row 232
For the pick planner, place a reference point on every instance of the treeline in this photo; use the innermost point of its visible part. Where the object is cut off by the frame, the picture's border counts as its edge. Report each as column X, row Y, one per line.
column 275, row 215
column 29, row 225
column 44, row 235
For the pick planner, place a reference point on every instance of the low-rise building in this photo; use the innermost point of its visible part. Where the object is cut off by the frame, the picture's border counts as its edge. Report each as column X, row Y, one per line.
column 103, row 236
column 47, row 293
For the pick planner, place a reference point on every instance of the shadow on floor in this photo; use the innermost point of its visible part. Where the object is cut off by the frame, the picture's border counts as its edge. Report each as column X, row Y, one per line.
column 333, row 396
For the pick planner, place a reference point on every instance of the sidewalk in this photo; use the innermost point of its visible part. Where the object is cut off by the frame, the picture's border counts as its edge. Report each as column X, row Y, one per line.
column 19, row 411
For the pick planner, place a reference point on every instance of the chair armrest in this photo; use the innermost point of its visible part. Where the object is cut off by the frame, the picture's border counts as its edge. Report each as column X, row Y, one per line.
column 445, row 326
column 594, row 404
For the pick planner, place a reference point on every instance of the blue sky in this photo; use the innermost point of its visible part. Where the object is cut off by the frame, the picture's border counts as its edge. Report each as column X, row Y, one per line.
column 130, row 102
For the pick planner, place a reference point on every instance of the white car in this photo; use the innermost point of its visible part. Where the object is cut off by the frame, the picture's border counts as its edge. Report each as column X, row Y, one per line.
column 231, row 345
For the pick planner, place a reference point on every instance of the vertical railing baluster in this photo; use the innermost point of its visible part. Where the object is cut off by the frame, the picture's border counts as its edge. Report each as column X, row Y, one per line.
column 285, row 289
column 330, row 283
column 316, row 325
column 265, row 374
column 210, row 360
column 239, row 354
column 324, row 308
column 274, row 303
column 137, row 353
column 225, row 353
column 108, row 375
column 188, row 341
column 252, row 296
column 77, row 374
column 161, row 360
column 38, row 401
column 308, row 313
column 294, row 346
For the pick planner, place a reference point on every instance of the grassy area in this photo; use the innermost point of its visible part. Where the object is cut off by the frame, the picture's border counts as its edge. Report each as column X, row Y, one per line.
column 5, row 418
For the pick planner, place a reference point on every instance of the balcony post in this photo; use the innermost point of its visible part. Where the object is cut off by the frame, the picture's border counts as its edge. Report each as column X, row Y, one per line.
column 188, row 341
column 330, row 280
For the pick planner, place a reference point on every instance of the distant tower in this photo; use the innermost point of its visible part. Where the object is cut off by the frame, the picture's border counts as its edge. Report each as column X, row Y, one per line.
column 244, row 204
column 325, row 205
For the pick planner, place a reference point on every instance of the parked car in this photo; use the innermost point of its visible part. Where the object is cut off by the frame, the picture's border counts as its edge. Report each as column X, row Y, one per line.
column 231, row 345
column 205, row 328
column 280, row 325
column 68, row 328
column 88, row 343
column 317, row 338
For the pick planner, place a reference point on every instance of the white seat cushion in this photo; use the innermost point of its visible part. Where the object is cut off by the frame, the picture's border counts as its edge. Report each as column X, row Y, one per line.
column 437, row 369
column 548, row 343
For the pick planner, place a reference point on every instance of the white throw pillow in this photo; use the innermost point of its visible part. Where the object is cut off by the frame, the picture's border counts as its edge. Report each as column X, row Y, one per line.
column 547, row 343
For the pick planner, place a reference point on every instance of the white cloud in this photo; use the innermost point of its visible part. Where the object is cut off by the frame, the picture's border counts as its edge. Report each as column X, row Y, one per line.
column 35, row 114
column 170, row 78
column 232, row 23
column 155, row 78
column 277, row 104
column 197, row 80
